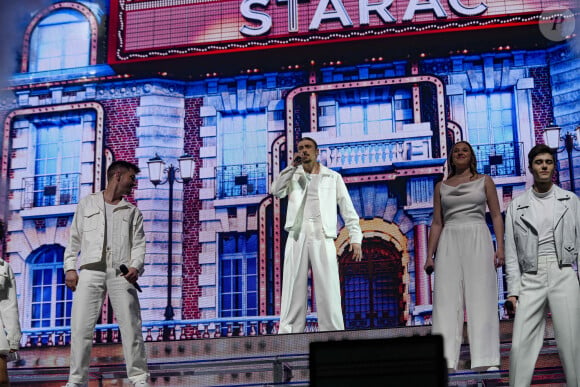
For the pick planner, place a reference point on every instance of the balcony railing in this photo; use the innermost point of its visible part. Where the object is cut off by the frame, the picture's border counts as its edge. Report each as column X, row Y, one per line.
column 241, row 180
column 180, row 330
column 375, row 153
column 502, row 159
column 50, row 190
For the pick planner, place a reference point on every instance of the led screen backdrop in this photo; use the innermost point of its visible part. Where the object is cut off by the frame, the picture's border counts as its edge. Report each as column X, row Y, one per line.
column 143, row 30
column 384, row 122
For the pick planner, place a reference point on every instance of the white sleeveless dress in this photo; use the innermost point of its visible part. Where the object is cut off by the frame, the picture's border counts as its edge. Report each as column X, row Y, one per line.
column 465, row 277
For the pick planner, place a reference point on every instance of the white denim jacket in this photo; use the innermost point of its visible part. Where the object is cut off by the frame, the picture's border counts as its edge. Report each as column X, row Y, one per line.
column 332, row 192
column 87, row 234
column 521, row 235
column 10, row 332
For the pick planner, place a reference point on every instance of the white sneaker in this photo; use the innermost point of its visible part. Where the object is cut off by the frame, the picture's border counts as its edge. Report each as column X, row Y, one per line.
column 493, row 369
column 141, row 383
column 70, row 384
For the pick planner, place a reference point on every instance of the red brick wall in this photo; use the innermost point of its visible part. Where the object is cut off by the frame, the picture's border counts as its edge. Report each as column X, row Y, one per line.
column 541, row 101
column 121, row 122
column 191, row 206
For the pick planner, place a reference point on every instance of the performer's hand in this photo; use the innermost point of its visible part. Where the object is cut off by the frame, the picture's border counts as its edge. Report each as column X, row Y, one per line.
column 356, row 252
column 132, row 275
column 499, row 259
column 511, row 311
column 71, row 279
column 297, row 161
column 429, row 265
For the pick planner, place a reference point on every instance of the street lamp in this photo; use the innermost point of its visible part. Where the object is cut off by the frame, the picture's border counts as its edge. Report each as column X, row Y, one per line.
column 159, row 175
column 552, row 138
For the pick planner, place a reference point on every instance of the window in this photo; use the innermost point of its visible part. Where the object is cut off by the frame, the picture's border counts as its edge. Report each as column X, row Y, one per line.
column 385, row 112
column 51, row 300
column 492, row 132
column 351, row 120
column 327, row 110
column 403, row 108
column 369, row 119
column 60, row 41
column 379, row 118
column 57, row 160
column 243, row 155
column 238, row 274
column 490, row 117
column 243, row 137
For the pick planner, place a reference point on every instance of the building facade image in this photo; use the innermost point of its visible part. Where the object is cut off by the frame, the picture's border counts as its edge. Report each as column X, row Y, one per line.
column 235, row 84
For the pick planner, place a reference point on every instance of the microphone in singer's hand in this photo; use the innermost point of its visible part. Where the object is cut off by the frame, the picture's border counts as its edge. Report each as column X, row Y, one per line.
column 125, row 271
column 509, row 307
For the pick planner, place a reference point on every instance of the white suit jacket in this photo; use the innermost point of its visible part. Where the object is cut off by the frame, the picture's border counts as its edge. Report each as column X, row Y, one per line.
column 87, row 234
column 332, row 193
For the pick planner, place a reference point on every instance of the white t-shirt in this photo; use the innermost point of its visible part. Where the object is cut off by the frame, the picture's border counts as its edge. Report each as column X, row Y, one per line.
column 312, row 204
column 543, row 213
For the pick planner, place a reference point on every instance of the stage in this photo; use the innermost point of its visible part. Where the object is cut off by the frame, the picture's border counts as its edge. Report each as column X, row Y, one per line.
column 262, row 360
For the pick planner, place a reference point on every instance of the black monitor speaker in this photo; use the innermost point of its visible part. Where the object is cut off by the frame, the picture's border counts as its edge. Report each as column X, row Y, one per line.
column 399, row 362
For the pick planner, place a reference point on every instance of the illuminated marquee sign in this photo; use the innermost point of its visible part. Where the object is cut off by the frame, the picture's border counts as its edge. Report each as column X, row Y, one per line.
column 148, row 29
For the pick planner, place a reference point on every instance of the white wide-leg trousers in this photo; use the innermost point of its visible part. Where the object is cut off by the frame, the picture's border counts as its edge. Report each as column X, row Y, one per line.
column 310, row 248
column 465, row 276
column 556, row 288
column 87, row 301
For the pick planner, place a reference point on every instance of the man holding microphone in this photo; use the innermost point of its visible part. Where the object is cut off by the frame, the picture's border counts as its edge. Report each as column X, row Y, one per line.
column 314, row 194
column 108, row 233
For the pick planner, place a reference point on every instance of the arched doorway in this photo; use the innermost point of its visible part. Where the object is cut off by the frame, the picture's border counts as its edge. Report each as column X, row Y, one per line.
column 375, row 291
column 372, row 289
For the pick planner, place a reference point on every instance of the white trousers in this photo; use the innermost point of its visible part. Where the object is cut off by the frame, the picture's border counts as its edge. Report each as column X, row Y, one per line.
column 310, row 248
column 465, row 277
column 87, row 301
column 557, row 288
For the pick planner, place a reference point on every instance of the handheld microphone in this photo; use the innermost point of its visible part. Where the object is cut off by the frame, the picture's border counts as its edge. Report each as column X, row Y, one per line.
column 509, row 308
column 125, row 271
column 429, row 270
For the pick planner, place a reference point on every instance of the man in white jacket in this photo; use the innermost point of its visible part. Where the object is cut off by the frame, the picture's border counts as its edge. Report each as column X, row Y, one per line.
column 314, row 194
column 542, row 243
column 108, row 232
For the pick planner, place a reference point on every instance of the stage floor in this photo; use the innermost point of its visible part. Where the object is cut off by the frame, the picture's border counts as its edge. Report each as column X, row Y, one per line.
column 268, row 360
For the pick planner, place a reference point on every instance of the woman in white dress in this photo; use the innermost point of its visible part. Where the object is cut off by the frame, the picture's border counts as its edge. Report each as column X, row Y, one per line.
column 465, row 275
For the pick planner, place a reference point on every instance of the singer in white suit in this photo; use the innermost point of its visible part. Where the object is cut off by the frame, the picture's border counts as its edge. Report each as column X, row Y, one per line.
column 314, row 194
column 107, row 231
column 542, row 245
